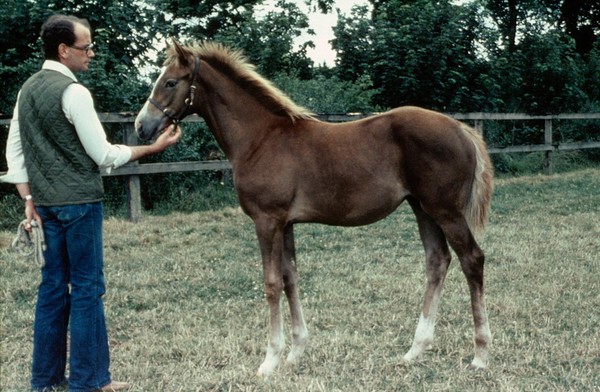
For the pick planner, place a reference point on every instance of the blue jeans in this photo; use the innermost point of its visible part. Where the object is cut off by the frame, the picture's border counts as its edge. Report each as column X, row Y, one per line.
column 71, row 291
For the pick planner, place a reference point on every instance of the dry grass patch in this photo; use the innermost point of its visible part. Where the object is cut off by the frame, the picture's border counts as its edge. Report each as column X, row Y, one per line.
column 186, row 311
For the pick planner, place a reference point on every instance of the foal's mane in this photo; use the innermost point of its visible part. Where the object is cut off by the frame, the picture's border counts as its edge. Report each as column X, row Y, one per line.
column 234, row 65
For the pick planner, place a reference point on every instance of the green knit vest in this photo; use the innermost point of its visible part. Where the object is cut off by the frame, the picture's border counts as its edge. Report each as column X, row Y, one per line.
column 60, row 171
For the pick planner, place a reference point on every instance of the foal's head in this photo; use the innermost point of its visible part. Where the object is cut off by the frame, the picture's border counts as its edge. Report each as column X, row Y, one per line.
column 173, row 94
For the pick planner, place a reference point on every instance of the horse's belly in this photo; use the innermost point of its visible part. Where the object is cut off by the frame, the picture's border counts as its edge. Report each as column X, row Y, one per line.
column 348, row 209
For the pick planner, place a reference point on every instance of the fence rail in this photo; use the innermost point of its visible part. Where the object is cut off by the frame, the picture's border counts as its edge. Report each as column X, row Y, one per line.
column 134, row 170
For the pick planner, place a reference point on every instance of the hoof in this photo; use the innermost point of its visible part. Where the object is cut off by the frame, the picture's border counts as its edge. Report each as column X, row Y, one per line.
column 294, row 356
column 477, row 365
column 264, row 372
column 266, row 369
column 412, row 354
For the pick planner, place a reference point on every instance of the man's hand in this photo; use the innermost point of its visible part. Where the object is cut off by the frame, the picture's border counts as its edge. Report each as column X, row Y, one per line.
column 30, row 211
column 31, row 215
column 168, row 137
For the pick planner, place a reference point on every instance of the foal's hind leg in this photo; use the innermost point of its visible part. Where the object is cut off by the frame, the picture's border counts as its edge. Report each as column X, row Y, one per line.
column 472, row 260
column 438, row 259
column 290, row 286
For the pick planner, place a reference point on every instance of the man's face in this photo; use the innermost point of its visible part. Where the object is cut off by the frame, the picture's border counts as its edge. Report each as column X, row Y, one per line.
column 77, row 57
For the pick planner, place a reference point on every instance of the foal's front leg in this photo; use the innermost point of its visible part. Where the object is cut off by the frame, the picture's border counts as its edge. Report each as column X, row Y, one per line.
column 290, row 281
column 270, row 238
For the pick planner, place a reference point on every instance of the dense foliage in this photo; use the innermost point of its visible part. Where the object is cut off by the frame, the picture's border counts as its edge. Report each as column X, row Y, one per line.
column 533, row 56
column 515, row 55
column 536, row 56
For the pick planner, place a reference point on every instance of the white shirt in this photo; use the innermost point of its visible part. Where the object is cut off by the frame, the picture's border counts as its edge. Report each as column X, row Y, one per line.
column 78, row 106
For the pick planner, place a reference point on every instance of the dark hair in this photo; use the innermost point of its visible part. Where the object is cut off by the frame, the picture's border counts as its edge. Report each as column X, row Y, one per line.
column 59, row 29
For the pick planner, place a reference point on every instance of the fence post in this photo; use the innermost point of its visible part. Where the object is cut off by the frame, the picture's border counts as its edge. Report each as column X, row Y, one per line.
column 548, row 169
column 479, row 126
column 132, row 183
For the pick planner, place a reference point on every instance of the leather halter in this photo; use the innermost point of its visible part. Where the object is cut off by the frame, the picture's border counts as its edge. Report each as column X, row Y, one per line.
column 189, row 101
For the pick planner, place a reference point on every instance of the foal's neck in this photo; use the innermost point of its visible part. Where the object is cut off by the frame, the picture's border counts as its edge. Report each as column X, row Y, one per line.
column 236, row 118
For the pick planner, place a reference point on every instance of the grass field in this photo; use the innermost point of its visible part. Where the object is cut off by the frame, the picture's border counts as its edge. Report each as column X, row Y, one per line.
column 186, row 310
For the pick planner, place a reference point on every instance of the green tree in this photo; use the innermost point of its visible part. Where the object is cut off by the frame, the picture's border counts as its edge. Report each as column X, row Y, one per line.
column 416, row 52
column 323, row 5
column 508, row 14
column 540, row 70
column 20, row 55
column 580, row 19
column 353, row 44
column 204, row 19
column 329, row 95
column 592, row 77
column 424, row 53
column 269, row 40
column 552, row 79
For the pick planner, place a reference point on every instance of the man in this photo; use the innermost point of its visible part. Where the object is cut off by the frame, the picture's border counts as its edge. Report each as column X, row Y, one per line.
column 55, row 147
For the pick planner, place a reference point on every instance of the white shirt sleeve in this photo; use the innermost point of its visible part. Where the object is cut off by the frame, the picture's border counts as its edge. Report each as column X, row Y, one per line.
column 17, row 173
column 78, row 107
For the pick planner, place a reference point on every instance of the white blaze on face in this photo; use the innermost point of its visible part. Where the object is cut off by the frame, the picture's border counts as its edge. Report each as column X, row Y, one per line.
column 164, row 69
column 144, row 111
column 141, row 115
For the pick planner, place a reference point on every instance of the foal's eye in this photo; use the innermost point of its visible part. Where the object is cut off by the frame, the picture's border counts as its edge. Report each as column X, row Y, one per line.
column 171, row 83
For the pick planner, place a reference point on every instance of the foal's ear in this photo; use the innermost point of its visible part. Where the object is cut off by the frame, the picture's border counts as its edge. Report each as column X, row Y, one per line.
column 182, row 53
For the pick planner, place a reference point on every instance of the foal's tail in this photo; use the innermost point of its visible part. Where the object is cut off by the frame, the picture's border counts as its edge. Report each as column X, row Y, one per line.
column 478, row 205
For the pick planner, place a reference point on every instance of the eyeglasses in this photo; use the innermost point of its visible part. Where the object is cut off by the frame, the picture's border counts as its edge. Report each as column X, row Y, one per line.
column 86, row 48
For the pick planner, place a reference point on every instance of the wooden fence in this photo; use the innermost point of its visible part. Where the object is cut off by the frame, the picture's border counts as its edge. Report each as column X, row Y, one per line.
column 134, row 170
